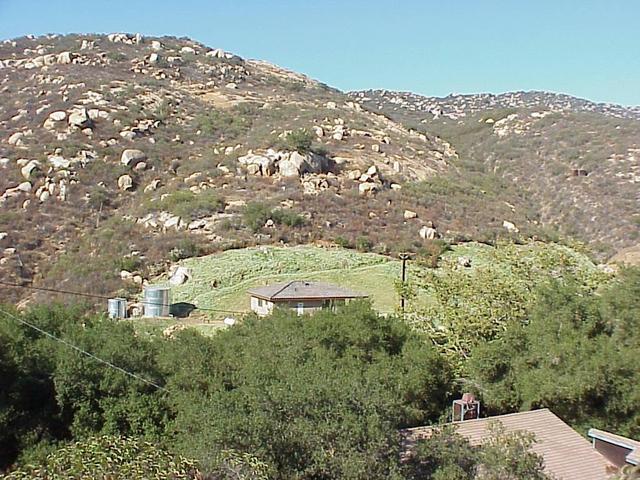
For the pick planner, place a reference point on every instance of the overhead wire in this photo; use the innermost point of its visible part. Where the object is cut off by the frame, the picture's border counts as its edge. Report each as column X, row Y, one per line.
column 103, row 297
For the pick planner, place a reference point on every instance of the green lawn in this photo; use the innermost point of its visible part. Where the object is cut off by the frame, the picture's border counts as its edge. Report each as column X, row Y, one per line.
column 220, row 281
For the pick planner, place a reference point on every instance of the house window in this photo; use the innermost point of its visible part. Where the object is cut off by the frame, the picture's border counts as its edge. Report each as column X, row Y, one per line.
column 259, row 302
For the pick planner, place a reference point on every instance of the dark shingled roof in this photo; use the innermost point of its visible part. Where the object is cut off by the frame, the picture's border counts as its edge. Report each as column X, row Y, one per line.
column 567, row 454
column 303, row 290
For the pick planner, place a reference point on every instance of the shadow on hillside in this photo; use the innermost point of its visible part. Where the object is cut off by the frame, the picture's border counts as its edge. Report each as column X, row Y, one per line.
column 181, row 309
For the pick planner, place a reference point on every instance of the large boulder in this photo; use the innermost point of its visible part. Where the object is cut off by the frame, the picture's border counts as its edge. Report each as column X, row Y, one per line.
column 24, row 187
column 65, row 58
column 180, row 276
column 368, row 188
column 253, row 169
column 409, row 214
column 58, row 115
column 29, row 169
column 510, row 226
column 130, row 157
column 293, row 165
column 125, row 182
column 58, row 161
column 173, row 221
column 288, row 168
column 218, row 53
column 428, row 233
column 16, row 139
column 258, row 164
column 125, row 38
column 80, row 119
column 317, row 163
column 152, row 186
column 297, row 164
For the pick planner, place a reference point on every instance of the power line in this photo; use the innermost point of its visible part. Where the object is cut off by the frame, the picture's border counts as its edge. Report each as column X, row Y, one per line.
column 103, row 297
column 84, row 352
column 53, row 290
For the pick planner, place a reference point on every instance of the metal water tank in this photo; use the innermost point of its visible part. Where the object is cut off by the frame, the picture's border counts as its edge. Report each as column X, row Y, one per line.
column 117, row 307
column 157, row 301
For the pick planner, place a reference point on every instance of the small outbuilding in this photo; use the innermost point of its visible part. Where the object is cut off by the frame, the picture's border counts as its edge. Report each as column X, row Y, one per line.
column 299, row 295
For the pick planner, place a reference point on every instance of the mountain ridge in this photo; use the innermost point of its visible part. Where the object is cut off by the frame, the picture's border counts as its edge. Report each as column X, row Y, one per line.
column 121, row 152
column 512, row 99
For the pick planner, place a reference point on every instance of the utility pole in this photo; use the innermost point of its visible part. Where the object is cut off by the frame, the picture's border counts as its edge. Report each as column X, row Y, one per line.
column 404, row 257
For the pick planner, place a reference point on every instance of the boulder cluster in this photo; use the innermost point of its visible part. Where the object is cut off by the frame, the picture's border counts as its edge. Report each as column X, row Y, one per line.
column 284, row 164
column 45, row 180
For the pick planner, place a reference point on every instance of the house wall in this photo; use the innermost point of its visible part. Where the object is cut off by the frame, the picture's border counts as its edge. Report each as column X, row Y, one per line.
column 264, row 307
column 614, row 453
column 261, row 307
column 308, row 306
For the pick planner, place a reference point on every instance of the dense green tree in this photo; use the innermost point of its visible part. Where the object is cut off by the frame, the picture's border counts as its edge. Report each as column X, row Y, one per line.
column 108, row 458
column 98, row 399
column 290, row 397
column 466, row 307
column 621, row 306
column 29, row 414
column 575, row 354
column 232, row 465
column 52, row 392
column 314, row 397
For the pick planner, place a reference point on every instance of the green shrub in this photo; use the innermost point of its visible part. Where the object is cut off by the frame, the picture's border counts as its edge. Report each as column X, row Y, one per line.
column 256, row 214
column 223, row 124
column 320, row 397
column 287, row 217
column 98, row 197
column 186, row 248
column 342, row 242
column 430, row 253
column 116, row 56
column 299, row 140
column 189, row 205
column 129, row 264
column 363, row 244
column 162, row 111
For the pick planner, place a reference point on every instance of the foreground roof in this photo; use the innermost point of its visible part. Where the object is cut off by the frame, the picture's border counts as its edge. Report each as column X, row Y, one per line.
column 567, row 454
column 303, row 290
column 633, row 457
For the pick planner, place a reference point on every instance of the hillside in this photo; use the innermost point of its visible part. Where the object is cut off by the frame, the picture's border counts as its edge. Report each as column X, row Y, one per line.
column 577, row 161
column 221, row 280
column 122, row 153
column 476, row 271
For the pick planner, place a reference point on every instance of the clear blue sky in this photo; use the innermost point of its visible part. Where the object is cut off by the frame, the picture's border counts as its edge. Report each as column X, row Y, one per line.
column 586, row 48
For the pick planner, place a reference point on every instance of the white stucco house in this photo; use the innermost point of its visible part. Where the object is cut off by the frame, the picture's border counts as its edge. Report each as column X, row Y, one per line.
column 299, row 295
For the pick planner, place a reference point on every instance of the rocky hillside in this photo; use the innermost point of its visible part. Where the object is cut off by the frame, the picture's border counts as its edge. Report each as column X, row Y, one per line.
column 460, row 106
column 577, row 161
column 120, row 153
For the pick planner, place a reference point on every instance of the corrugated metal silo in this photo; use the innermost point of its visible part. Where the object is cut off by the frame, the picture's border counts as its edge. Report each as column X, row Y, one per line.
column 157, row 301
column 117, row 307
